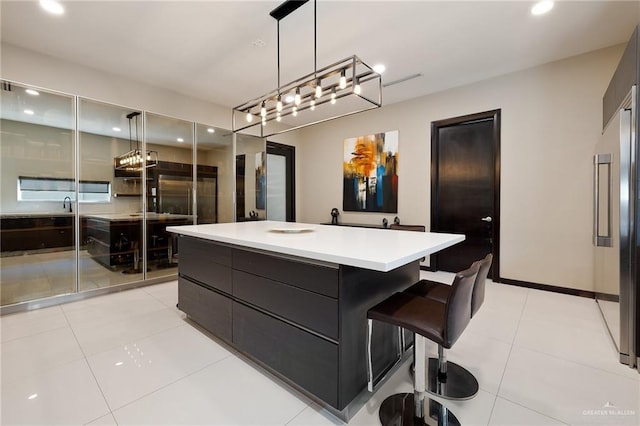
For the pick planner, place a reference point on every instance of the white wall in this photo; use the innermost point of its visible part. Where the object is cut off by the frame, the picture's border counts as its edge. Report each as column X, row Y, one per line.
column 551, row 122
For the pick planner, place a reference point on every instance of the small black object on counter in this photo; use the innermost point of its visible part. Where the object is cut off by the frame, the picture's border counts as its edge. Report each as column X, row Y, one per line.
column 334, row 216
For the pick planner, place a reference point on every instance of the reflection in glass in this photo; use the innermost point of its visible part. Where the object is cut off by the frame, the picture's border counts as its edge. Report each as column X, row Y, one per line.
column 111, row 237
column 169, row 190
column 37, row 257
column 214, row 174
column 251, row 189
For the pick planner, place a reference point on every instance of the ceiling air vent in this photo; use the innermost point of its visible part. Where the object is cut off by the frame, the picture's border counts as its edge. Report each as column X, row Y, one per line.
column 402, row 80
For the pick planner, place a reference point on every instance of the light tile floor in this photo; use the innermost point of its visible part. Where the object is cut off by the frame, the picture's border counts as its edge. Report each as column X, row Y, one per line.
column 131, row 358
column 36, row 275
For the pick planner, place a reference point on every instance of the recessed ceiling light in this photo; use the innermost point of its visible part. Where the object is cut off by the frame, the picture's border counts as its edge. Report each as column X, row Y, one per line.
column 52, row 6
column 32, row 92
column 379, row 68
column 116, row 129
column 211, row 130
column 28, row 111
column 180, row 140
column 32, row 396
column 542, row 7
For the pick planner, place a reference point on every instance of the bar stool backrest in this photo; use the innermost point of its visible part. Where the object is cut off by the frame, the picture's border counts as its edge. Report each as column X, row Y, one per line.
column 479, row 287
column 458, row 306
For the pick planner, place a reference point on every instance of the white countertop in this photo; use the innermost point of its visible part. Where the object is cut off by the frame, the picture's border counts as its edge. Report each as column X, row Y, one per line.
column 376, row 249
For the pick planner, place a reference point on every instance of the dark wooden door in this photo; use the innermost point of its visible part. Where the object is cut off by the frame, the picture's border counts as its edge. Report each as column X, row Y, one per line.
column 465, row 178
column 240, row 169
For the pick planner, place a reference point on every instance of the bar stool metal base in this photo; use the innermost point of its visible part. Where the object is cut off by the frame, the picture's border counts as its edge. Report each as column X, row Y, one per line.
column 399, row 410
column 460, row 384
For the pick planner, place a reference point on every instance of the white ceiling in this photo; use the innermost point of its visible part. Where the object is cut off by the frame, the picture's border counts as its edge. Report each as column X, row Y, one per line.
column 206, row 49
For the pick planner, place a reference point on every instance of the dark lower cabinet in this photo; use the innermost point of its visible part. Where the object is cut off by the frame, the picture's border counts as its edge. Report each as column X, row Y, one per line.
column 34, row 232
column 208, row 308
column 307, row 360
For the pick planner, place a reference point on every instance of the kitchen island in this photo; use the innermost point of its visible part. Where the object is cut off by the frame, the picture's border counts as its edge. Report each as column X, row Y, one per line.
column 115, row 239
column 293, row 297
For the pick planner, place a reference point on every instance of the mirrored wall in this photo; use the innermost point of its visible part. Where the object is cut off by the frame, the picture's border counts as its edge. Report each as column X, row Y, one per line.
column 100, row 222
column 37, row 216
column 251, row 178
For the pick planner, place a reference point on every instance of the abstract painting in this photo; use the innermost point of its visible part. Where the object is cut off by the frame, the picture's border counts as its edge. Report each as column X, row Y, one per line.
column 261, row 182
column 371, row 173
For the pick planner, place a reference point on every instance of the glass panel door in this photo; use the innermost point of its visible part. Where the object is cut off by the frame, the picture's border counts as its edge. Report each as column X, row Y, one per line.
column 214, row 174
column 38, row 204
column 111, row 236
column 170, row 191
column 251, row 178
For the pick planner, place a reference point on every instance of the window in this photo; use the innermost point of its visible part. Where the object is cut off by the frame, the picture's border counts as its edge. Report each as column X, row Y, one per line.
column 56, row 189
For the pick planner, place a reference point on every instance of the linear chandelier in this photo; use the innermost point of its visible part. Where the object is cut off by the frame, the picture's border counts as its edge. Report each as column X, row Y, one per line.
column 343, row 88
column 134, row 159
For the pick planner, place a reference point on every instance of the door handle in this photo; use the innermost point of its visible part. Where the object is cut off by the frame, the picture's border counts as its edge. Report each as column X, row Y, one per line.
column 486, row 219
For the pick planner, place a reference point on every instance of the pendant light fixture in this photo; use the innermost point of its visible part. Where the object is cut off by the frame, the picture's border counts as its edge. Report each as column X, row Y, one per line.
column 134, row 160
column 343, row 88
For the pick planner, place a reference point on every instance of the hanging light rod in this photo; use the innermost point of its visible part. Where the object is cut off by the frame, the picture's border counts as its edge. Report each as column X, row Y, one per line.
column 343, row 88
column 286, row 8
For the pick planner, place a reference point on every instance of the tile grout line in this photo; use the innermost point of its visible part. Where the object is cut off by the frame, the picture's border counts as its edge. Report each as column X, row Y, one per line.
column 524, row 305
column 86, row 360
column 536, row 411
column 172, row 383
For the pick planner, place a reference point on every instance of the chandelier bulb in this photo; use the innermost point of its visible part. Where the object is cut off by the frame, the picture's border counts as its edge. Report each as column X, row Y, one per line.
column 279, row 104
column 294, row 112
column 297, row 99
column 249, row 117
column 312, row 105
column 263, row 109
column 318, row 88
column 356, row 88
column 343, row 79
column 278, row 117
column 333, row 96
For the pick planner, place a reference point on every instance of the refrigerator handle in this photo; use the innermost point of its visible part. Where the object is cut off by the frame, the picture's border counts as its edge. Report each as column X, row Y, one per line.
column 600, row 238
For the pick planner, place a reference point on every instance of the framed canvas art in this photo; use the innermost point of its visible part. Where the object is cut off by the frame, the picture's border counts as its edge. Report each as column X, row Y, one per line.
column 370, row 182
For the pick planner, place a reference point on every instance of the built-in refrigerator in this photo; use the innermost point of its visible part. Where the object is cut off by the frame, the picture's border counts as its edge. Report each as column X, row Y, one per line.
column 616, row 208
column 174, row 195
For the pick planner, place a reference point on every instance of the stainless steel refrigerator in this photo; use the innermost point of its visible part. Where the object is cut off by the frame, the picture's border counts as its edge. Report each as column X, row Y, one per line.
column 615, row 226
column 175, row 196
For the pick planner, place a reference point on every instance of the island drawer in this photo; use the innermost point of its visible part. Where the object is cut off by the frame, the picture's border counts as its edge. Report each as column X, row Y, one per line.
column 206, row 262
column 305, row 359
column 206, row 307
column 311, row 310
column 316, row 278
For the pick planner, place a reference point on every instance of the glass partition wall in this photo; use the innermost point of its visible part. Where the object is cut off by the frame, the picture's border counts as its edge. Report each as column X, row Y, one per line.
column 38, row 197
column 170, row 190
column 71, row 227
column 251, row 178
column 111, row 230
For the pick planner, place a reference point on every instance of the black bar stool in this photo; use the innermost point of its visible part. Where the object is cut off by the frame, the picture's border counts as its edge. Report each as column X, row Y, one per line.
column 460, row 383
column 443, row 323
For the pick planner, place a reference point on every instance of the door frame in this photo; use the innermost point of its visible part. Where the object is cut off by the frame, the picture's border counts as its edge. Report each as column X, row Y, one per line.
column 435, row 126
column 289, row 152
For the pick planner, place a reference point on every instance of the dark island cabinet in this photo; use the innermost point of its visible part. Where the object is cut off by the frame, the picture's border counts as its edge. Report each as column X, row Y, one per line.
column 302, row 320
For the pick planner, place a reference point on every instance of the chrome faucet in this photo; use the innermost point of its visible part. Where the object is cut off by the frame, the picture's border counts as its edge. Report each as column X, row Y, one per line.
column 64, row 204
